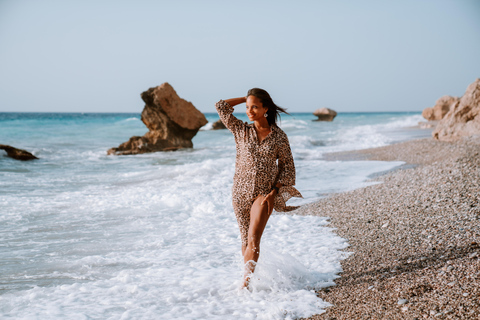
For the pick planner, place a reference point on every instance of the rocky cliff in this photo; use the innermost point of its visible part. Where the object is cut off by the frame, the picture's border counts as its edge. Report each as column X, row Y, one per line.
column 463, row 119
column 441, row 108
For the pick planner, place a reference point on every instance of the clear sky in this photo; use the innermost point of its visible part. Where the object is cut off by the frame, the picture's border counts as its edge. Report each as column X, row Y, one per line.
column 98, row 56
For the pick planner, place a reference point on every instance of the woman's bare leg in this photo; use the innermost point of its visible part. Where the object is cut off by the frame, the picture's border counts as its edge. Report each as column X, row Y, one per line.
column 258, row 220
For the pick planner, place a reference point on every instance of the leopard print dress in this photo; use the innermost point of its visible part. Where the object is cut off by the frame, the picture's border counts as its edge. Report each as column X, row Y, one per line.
column 258, row 167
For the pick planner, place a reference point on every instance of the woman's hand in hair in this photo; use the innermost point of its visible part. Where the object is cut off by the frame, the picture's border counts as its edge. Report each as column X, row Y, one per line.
column 234, row 101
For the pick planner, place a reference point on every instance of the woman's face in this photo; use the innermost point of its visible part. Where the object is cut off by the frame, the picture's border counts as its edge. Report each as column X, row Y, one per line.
column 255, row 109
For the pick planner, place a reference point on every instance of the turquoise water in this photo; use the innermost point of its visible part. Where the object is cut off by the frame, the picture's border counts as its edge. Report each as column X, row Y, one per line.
column 153, row 236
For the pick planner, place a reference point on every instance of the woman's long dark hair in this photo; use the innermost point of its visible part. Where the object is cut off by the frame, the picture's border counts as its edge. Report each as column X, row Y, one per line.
column 267, row 102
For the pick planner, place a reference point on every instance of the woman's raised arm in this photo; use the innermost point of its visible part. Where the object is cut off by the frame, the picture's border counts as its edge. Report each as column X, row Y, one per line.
column 234, row 101
column 225, row 111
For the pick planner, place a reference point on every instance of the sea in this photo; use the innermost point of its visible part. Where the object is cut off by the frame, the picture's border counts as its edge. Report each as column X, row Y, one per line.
column 86, row 235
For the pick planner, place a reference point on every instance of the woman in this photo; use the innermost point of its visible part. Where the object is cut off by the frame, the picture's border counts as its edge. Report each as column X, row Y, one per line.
column 264, row 169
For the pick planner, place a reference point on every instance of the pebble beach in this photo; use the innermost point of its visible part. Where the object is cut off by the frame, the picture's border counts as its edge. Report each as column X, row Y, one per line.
column 413, row 237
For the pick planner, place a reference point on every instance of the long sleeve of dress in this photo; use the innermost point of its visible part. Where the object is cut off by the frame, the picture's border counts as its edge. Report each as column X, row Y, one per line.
column 225, row 111
column 286, row 177
column 286, row 167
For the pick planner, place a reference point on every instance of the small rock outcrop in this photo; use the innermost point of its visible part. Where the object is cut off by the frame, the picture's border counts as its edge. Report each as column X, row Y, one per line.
column 464, row 117
column 325, row 114
column 17, row 154
column 172, row 122
column 217, row 125
column 441, row 108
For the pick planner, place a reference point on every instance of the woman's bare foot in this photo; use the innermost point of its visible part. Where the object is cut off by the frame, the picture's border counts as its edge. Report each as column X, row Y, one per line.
column 249, row 269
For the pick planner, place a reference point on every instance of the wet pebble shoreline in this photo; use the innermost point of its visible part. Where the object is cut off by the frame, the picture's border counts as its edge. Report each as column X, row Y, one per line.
column 414, row 239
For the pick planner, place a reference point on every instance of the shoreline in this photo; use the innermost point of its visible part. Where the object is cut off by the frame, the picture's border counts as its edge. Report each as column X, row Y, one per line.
column 414, row 237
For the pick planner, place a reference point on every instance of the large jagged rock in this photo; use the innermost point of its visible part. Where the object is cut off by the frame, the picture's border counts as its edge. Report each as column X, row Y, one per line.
column 17, row 154
column 441, row 108
column 463, row 119
column 325, row 114
column 172, row 122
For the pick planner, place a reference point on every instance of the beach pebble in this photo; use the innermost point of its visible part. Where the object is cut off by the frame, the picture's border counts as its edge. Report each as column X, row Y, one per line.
column 402, row 301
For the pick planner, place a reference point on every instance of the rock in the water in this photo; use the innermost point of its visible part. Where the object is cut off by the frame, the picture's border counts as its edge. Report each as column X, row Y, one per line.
column 441, row 108
column 218, row 125
column 325, row 114
column 172, row 122
column 17, row 154
column 464, row 117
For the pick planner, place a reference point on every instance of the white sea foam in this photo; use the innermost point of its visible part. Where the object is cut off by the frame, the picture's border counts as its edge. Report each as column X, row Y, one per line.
column 132, row 119
column 363, row 137
column 402, row 122
column 208, row 126
column 154, row 236
column 294, row 123
column 151, row 249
